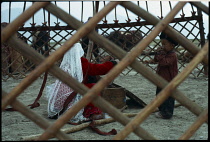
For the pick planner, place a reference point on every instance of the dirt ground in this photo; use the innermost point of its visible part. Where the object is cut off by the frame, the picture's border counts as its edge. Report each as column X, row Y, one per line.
column 15, row 126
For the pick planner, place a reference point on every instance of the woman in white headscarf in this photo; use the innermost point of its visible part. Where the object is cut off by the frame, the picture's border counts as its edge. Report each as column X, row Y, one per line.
column 79, row 68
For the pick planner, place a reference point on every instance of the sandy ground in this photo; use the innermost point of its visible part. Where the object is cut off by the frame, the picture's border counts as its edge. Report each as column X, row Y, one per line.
column 15, row 126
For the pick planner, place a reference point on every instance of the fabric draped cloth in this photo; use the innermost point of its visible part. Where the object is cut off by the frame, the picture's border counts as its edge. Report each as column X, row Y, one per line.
column 78, row 67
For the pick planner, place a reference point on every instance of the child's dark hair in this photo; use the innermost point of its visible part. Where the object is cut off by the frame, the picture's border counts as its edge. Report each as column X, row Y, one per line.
column 164, row 36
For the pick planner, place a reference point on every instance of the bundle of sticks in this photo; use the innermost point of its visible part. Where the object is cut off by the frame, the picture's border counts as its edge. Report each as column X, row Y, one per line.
column 84, row 125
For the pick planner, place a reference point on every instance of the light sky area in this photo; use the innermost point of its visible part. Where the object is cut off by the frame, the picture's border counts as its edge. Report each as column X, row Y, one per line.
column 76, row 11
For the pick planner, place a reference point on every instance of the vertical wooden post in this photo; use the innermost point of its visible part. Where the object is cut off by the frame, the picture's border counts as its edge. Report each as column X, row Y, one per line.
column 91, row 44
column 90, row 50
column 201, row 29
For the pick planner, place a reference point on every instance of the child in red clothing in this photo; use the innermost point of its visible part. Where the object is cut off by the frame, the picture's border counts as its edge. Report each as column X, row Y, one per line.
column 167, row 68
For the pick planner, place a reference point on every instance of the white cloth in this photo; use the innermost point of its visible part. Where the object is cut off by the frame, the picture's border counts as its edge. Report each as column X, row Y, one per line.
column 58, row 91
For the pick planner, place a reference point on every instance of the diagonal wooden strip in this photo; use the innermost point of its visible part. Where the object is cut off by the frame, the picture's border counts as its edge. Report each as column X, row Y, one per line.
column 142, row 68
column 37, row 119
column 118, row 52
column 104, row 105
column 96, row 88
column 18, row 22
column 203, row 117
column 183, row 41
column 76, row 128
column 83, row 125
column 201, row 6
column 132, row 96
column 50, row 60
column 71, row 112
column 164, row 94
column 157, row 80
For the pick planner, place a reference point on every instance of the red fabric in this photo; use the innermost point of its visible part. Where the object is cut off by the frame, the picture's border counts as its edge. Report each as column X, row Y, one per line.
column 95, row 69
column 167, row 65
column 92, row 70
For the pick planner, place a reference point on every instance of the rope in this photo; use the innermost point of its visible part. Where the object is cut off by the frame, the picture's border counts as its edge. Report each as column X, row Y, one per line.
column 92, row 125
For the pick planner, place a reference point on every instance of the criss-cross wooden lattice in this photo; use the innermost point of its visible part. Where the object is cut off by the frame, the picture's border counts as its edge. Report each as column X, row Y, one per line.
column 16, row 66
column 130, row 59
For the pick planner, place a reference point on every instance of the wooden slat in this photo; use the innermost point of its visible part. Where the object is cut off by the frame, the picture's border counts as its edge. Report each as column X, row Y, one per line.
column 163, row 95
column 65, row 78
column 196, row 125
column 18, row 22
column 118, row 52
column 58, row 54
column 83, row 125
column 37, row 119
column 169, row 31
column 139, row 67
column 201, row 6
column 104, row 103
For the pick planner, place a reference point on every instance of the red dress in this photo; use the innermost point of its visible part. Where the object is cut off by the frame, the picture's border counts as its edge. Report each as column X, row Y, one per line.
column 90, row 69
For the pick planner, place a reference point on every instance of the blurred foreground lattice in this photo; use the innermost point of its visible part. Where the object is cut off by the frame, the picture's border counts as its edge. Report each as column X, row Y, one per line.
column 126, row 35
column 19, row 59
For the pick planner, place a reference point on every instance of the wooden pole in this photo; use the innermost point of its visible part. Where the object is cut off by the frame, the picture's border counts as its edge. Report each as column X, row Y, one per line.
column 89, row 51
column 183, row 41
column 118, row 53
column 50, row 60
column 76, row 128
column 90, row 43
column 13, row 27
column 73, row 22
column 163, row 95
column 157, row 80
column 37, row 119
column 202, row 37
column 201, row 6
column 71, row 112
column 95, row 90
column 83, row 125
column 61, row 75
column 195, row 126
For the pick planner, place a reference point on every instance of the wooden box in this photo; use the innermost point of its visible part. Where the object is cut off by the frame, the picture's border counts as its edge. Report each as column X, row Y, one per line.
column 115, row 96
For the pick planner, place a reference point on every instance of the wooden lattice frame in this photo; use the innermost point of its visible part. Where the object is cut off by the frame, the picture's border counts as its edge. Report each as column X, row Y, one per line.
column 27, row 65
column 126, row 59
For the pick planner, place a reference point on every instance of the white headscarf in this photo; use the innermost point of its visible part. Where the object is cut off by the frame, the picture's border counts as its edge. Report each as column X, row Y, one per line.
column 58, row 91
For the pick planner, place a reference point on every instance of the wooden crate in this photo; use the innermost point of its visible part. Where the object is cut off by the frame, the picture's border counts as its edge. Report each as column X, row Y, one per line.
column 116, row 96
